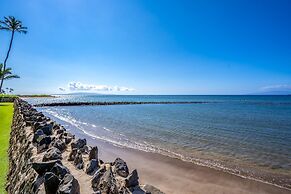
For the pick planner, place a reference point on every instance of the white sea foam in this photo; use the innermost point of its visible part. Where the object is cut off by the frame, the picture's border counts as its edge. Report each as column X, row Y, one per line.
column 106, row 129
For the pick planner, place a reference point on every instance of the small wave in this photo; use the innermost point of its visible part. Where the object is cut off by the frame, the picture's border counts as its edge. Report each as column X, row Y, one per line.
column 106, row 129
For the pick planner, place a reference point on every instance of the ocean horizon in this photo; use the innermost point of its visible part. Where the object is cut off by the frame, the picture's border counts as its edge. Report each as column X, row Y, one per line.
column 247, row 135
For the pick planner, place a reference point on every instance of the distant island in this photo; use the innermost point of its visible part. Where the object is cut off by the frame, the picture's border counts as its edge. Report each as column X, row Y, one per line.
column 37, row 96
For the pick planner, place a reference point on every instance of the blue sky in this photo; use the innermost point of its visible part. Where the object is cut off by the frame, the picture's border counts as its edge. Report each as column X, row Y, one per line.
column 150, row 46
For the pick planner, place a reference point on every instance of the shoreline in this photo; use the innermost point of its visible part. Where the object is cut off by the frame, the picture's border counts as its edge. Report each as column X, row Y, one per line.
column 45, row 158
column 174, row 175
column 274, row 179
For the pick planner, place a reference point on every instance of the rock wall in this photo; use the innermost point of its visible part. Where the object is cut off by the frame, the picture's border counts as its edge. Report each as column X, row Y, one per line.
column 45, row 158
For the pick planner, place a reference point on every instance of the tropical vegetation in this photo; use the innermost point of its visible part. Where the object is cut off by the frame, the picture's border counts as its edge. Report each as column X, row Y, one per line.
column 12, row 25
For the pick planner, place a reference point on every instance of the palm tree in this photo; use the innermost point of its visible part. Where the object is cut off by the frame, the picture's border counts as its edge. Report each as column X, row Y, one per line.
column 6, row 74
column 13, row 25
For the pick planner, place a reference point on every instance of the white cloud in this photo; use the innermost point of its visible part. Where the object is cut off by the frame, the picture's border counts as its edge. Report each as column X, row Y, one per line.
column 78, row 86
column 62, row 89
column 276, row 87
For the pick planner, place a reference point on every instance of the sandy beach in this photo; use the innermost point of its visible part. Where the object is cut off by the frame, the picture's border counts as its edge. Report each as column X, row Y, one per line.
column 176, row 176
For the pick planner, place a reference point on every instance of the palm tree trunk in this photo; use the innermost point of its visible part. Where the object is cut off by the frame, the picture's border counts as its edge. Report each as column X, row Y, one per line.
column 4, row 65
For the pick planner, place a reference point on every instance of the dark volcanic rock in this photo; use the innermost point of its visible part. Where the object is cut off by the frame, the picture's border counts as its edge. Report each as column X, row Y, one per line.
column 107, row 183
column 68, row 137
column 78, row 161
column 69, row 185
column 60, row 170
column 59, row 144
column 132, row 179
column 60, row 131
column 73, row 154
column 43, row 143
column 52, row 154
column 37, row 134
column 51, row 183
column 80, row 143
column 43, row 139
column 39, row 180
column 121, row 167
column 92, row 166
column 97, row 176
column 43, row 167
column 93, row 154
column 48, row 129
column 85, row 149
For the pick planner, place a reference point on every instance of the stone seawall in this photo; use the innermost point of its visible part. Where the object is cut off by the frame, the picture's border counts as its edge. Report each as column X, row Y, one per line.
column 45, row 158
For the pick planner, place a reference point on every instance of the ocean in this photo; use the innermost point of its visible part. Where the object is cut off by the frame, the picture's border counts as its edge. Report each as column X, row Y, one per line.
column 245, row 135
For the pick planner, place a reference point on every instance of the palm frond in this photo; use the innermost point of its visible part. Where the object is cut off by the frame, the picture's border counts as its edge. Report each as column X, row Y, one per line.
column 10, row 77
column 12, row 24
column 6, row 72
column 4, row 28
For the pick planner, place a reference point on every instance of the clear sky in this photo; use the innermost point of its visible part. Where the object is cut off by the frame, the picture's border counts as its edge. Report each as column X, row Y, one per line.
column 150, row 46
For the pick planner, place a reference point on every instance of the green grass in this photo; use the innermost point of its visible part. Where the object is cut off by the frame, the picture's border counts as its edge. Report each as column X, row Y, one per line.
column 6, row 114
column 36, row 96
column 7, row 96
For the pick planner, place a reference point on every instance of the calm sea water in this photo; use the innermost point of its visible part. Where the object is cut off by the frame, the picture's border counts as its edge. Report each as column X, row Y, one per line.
column 245, row 135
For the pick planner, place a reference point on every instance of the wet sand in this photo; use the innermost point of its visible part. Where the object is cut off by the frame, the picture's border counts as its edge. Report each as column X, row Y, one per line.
column 176, row 176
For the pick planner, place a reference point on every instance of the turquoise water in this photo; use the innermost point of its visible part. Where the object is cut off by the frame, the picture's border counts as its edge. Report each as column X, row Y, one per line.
column 245, row 135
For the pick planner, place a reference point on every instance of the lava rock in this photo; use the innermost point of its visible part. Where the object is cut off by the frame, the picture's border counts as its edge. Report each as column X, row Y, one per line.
column 80, row 143
column 67, row 139
column 73, row 154
column 107, row 183
column 37, row 134
column 97, row 176
column 69, row 185
column 35, row 126
column 78, row 161
column 43, row 144
column 59, row 144
column 92, row 166
column 121, row 167
column 93, row 154
column 43, row 167
column 51, row 183
column 43, row 139
column 60, row 170
column 47, row 129
column 85, row 149
column 132, row 179
column 52, row 154
column 60, row 131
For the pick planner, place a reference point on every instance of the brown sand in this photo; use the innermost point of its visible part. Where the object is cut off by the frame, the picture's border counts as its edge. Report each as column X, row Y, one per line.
column 176, row 176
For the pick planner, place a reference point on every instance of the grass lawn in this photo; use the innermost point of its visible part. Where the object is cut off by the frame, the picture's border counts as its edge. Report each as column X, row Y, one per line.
column 6, row 114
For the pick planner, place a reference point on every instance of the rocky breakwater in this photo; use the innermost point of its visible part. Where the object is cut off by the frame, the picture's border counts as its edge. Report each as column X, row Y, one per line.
column 45, row 158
